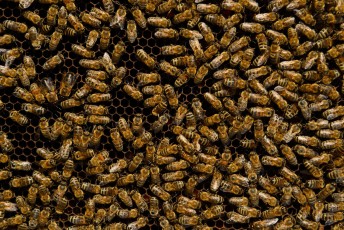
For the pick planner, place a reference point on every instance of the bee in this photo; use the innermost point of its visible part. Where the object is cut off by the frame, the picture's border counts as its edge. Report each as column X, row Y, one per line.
column 97, row 119
column 19, row 182
column 119, row 47
column 158, row 125
column 32, row 17
column 219, row 60
column 145, row 58
column 123, row 195
column 29, row 66
column 3, row 157
column 53, row 62
column 248, row 211
column 98, row 97
column 118, row 76
column 131, row 31
column 90, row 20
column 212, row 212
column 268, row 199
column 213, row 101
column 183, row 16
column 139, row 201
column 92, row 39
column 180, row 114
column 169, row 69
column 99, row 159
column 125, row 129
column 234, row 217
column 142, row 140
column 139, row 223
column 82, row 51
column 97, row 85
column 18, row 117
column 211, row 198
column 15, row 26
column 171, row 96
column 160, row 22
column 32, row 194
column 288, row 153
column 4, row 174
column 75, row 118
column 188, row 220
column 191, row 34
column 24, row 4
column 239, row 44
column 119, row 18
column 76, row 24
column 267, row 185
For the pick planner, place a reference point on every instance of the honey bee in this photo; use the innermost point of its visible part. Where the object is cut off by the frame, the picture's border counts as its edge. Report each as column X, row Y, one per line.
column 125, row 129
column 53, row 62
column 139, row 201
column 32, row 194
column 183, row 16
column 212, row 212
column 18, row 117
column 260, row 224
column 188, row 220
column 169, row 69
column 76, row 24
column 8, row 81
column 191, row 34
column 90, row 20
column 19, row 182
column 62, row 18
column 82, row 51
column 160, row 22
column 239, row 44
column 288, row 153
column 15, row 26
column 24, row 4
column 234, row 217
column 168, row 33
column 331, row 218
column 139, row 223
column 3, row 157
column 131, row 31
column 248, row 211
column 145, row 58
column 75, row 118
column 92, row 39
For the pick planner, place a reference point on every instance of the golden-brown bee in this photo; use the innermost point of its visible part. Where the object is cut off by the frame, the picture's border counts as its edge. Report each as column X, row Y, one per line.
column 98, row 119
column 92, row 39
column 248, row 211
column 191, row 34
column 8, row 81
column 15, row 26
column 208, row 8
column 4, row 174
column 211, row 198
column 90, row 20
column 131, row 31
column 55, row 39
column 19, row 182
column 160, row 192
column 160, row 22
column 11, row 74
column 334, row 207
column 76, row 24
column 169, row 69
column 168, row 33
column 125, row 130
column 239, row 44
column 234, row 217
column 62, row 18
column 91, row 64
column 288, row 153
column 24, row 4
column 268, row 199
column 75, row 118
column 116, row 139
column 145, row 58
column 189, row 220
column 118, row 51
column 119, row 18
column 82, row 51
column 97, row 85
column 98, row 97
column 173, row 186
column 32, row 17
column 53, row 62
column 139, row 223
column 219, row 60
column 3, row 157
column 212, row 212
column 23, row 206
column 123, row 195
column 182, row 16
column 18, row 117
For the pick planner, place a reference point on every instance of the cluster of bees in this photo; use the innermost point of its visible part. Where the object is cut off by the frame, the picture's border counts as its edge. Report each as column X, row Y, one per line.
column 274, row 69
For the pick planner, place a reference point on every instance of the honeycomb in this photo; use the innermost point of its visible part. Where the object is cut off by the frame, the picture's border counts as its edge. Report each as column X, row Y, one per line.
column 26, row 139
